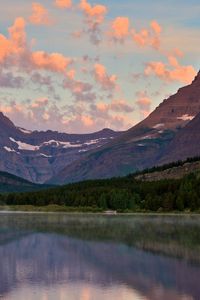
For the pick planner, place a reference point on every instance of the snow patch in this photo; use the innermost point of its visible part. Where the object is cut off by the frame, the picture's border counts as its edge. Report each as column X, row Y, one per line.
column 48, row 156
column 146, row 137
column 24, row 130
column 10, row 150
column 92, row 142
column 186, row 117
column 83, row 150
column 54, row 143
column 157, row 126
column 24, row 146
column 59, row 143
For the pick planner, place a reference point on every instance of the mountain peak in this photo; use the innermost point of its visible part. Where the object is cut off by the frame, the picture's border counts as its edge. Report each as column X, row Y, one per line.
column 4, row 121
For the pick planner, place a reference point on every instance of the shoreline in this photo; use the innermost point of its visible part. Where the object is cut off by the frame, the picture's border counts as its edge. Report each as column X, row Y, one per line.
column 52, row 209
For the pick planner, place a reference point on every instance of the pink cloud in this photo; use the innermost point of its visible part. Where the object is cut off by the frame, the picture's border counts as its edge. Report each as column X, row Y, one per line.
column 148, row 37
column 17, row 37
column 119, row 28
column 94, row 13
column 81, row 91
column 51, row 62
column 144, row 104
column 172, row 71
column 63, row 3
column 15, row 52
column 40, row 15
column 87, row 121
column 115, row 106
column 94, row 17
column 106, row 81
column 156, row 27
column 40, row 102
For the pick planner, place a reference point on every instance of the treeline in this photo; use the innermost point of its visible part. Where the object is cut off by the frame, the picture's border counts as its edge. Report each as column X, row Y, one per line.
column 167, row 166
column 121, row 194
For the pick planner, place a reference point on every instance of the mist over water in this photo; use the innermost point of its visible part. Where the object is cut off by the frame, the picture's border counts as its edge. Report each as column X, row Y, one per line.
column 93, row 257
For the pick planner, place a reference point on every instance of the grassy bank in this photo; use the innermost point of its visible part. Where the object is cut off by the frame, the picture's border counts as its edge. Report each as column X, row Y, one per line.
column 49, row 208
column 68, row 209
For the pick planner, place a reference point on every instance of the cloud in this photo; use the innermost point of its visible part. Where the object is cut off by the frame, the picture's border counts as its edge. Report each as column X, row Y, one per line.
column 94, row 17
column 87, row 121
column 94, row 14
column 63, row 3
column 115, row 106
column 41, row 80
column 54, row 62
column 13, row 47
column 144, row 104
column 119, row 29
column 81, row 91
column 121, row 106
column 106, row 81
column 17, row 42
column 172, row 71
column 156, row 27
column 33, row 114
column 15, row 52
column 148, row 36
column 40, row 15
column 40, row 102
column 8, row 80
column 105, row 115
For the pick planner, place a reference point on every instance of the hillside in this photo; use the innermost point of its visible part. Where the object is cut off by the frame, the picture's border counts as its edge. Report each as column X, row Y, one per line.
column 12, row 183
column 175, row 171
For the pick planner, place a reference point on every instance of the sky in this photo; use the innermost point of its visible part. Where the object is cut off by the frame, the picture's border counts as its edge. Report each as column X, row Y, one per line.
column 80, row 66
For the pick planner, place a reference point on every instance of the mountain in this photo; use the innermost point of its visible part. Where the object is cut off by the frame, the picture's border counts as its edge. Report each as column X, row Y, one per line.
column 37, row 156
column 143, row 145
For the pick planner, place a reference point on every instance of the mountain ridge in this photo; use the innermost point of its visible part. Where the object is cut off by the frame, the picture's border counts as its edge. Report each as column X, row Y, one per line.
column 38, row 155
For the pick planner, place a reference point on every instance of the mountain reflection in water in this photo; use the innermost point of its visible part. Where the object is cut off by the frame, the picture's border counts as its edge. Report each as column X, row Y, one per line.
column 41, row 259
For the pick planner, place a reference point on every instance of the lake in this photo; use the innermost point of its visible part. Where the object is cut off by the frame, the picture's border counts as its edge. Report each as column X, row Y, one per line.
column 97, row 257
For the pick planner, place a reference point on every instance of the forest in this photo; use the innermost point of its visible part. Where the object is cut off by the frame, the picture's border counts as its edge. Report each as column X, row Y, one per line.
column 125, row 194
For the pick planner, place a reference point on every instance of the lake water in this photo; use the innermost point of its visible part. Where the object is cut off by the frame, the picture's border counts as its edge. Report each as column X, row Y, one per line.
column 94, row 257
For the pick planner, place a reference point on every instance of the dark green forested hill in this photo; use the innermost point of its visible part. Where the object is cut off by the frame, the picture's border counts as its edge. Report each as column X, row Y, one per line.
column 122, row 194
column 12, row 183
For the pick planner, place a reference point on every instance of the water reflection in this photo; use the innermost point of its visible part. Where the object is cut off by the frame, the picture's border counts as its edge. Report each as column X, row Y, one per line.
column 38, row 261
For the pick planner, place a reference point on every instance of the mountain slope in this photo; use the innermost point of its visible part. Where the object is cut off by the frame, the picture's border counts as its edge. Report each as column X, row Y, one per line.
column 37, row 156
column 143, row 145
column 185, row 144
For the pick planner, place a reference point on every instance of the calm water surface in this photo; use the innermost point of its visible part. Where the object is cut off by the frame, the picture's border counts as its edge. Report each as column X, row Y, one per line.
column 93, row 257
